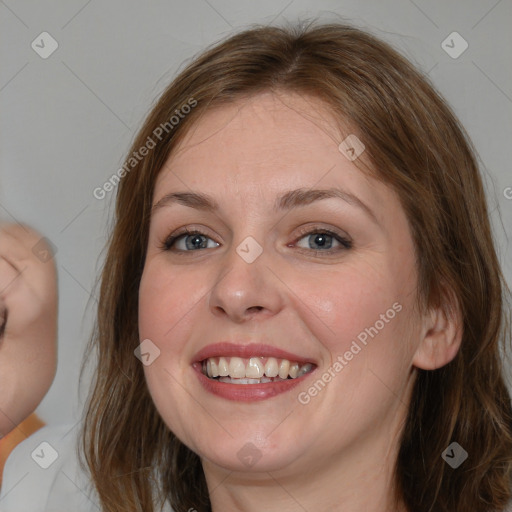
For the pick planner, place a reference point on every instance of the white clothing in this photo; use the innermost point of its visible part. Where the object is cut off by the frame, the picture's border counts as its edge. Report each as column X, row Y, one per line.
column 43, row 474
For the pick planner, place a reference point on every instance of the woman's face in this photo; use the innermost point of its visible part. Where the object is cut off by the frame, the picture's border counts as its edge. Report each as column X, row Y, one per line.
column 279, row 278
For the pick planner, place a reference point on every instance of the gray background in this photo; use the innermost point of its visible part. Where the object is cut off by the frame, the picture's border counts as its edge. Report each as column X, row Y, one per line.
column 67, row 121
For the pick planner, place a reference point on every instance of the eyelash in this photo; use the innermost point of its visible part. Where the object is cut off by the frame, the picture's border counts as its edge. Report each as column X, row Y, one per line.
column 346, row 243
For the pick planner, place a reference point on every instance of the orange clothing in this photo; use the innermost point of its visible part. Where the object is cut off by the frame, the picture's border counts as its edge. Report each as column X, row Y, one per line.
column 19, row 434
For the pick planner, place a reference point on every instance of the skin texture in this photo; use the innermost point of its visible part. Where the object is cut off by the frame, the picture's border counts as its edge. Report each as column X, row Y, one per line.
column 28, row 345
column 337, row 451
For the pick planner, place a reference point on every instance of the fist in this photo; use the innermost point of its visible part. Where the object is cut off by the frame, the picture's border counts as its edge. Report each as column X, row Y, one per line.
column 28, row 323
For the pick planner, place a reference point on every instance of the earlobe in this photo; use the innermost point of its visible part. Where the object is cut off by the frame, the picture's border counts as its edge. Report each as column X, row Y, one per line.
column 441, row 335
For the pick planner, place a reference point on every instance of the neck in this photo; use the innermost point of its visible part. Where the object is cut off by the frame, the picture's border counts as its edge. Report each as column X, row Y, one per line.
column 362, row 481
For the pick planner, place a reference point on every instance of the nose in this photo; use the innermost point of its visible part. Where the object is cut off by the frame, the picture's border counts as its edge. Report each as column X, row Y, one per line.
column 243, row 291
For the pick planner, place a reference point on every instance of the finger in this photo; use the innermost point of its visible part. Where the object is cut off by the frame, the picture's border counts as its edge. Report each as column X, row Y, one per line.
column 19, row 243
column 3, row 318
column 8, row 275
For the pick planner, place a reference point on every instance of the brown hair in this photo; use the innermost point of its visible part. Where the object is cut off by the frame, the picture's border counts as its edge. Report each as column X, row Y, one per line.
column 415, row 144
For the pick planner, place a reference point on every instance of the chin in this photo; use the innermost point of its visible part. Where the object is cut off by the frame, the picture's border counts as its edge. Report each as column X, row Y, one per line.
column 245, row 454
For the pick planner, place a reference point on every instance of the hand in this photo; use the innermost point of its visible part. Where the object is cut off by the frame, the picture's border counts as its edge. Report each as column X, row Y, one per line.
column 28, row 323
column 3, row 318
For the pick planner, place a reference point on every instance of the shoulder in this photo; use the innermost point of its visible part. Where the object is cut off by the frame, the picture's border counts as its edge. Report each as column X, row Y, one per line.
column 43, row 474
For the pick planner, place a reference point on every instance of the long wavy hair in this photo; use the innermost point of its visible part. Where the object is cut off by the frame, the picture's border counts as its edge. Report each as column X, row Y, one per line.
column 414, row 144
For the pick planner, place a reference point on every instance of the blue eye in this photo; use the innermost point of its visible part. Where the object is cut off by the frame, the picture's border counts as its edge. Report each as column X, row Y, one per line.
column 320, row 241
column 192, row 240
column 323, row 241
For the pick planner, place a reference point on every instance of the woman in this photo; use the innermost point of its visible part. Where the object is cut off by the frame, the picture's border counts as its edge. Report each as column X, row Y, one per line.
column 303, row 263
column 301, row 306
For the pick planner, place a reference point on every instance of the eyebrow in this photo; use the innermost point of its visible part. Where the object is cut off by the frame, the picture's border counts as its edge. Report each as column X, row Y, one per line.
column 289, row 200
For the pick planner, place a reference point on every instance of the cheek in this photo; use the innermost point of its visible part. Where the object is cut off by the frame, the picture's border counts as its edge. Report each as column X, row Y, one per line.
column 360, row 315
column 337, row 306
column 165, row 300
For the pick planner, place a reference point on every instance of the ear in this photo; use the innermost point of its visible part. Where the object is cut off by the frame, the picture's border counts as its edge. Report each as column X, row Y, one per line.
column 441, row 334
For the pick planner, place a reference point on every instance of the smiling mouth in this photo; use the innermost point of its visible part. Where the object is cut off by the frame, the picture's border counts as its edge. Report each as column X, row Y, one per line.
column 253, row 370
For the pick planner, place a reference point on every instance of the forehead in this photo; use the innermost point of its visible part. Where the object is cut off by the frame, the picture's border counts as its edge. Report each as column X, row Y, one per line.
column 264, row 144
column 271, row 121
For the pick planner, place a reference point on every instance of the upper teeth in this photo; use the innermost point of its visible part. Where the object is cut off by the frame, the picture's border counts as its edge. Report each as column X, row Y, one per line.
column 254, row 368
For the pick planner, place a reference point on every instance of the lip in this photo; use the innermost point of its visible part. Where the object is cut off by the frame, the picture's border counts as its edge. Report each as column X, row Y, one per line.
column 247, row 392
